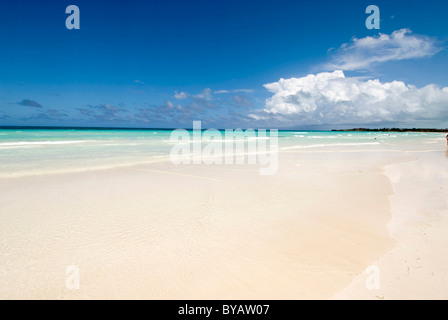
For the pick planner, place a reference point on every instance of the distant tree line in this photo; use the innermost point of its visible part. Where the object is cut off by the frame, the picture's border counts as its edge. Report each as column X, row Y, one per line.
column 396, row 130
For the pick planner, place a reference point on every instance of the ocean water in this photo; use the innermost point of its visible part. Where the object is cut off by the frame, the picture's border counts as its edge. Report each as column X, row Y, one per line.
column 25, row 152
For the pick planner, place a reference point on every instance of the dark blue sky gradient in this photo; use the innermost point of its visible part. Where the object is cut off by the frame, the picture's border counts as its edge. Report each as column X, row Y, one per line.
column 135, row 54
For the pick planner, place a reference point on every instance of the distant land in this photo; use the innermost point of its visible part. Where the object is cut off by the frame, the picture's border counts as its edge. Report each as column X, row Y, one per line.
column 396, row 130
column 169, row 129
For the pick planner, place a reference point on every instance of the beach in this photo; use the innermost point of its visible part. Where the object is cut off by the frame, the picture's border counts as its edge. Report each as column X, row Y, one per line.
column 416, row 267
column 137, row 226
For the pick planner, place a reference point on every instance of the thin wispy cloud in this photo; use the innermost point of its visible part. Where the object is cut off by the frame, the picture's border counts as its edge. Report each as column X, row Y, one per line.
column 198, row 101
column 365, row 53
column 50, row 115
column 103, row 112
column 240, row 100
column 212, row 107
column 234, row 91
column 207, row 92
column 164, row 114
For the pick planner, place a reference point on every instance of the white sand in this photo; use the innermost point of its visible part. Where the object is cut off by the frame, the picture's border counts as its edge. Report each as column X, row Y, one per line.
column 417, row 266
column 225, row 232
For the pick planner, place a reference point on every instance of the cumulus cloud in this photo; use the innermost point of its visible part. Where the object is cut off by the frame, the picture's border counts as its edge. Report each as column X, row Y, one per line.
column 361, row 54
column 169, row 104
column 180, row 95
column 205, row 94
column 30, row 103
column 331, row 98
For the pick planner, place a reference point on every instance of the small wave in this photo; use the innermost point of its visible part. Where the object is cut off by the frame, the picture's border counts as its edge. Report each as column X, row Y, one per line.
column 259, row 138
column 322, row 137
column 330, row 145
column 30, row 143
column 121, row 144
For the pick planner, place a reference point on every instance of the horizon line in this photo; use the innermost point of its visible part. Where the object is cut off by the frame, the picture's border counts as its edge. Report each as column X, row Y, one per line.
column 170, row 129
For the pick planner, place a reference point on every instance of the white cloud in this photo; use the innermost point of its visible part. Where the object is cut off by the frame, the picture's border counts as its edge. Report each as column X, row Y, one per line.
column 332, row 98
column 169, row 104
column 180, row 95
column 234, row 91
column 205, row 94
column 257, row 117
column 198, row 101
column 361, row 54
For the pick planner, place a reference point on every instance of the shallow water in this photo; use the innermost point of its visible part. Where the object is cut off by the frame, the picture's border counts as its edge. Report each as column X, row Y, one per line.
column 39, row 151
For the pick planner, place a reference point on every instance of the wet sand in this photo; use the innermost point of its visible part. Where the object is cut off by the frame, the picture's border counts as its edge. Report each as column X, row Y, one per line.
column 164, row 231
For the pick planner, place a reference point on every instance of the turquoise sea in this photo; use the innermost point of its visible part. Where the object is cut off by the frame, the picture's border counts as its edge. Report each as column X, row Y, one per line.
column 26, row 151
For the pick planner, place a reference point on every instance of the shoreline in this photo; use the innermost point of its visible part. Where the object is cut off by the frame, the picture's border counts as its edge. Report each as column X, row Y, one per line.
column 225, row 232
column 415, row 267
column 161, row 231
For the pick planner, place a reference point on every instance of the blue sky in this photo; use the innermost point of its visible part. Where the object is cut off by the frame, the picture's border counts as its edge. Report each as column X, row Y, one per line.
column 166, row 63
